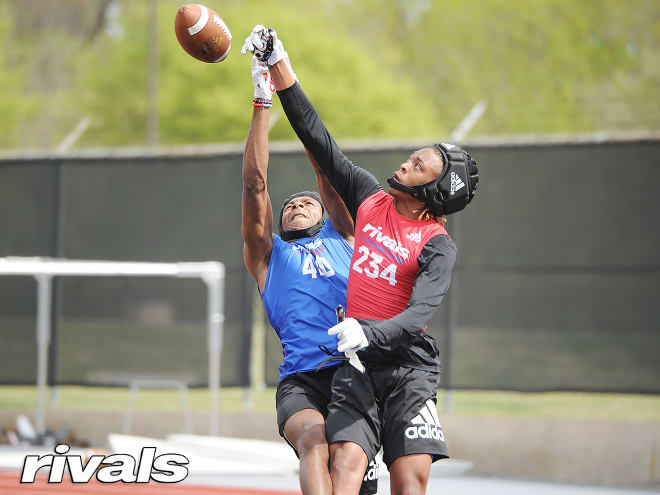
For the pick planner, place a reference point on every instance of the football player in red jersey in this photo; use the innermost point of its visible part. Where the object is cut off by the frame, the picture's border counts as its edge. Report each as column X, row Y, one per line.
column 400, row 270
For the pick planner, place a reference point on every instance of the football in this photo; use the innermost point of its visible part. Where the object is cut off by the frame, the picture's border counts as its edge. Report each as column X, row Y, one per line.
column 202, row 33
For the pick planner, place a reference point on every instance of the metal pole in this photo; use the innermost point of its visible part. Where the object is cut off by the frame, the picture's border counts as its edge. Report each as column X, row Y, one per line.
column 44, row 293
column 74, row 135
column 56, row 296
column 215, row 329
column 452, row 323
column 258, row 345
column 469, row 121
column 130, row 407
column 452, row 318
column 152, row 95
column 185, row 409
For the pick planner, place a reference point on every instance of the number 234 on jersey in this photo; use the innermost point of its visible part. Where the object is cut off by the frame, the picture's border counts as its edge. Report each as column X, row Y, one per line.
column 368, row 263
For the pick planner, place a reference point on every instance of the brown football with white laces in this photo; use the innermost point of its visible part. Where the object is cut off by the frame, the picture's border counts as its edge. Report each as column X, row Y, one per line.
column 202, row 33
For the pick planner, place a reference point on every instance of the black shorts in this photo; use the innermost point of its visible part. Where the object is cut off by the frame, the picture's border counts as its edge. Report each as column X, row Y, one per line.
column 394, row 406
column 311, row 390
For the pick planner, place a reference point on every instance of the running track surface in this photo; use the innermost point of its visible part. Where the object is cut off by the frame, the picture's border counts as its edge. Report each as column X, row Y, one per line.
column 10, row 485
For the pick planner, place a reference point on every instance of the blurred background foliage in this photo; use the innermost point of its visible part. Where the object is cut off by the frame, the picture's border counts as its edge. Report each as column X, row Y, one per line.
column 386, row 69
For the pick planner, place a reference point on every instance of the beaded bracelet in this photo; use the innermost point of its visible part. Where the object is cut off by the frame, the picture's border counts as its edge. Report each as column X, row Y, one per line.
column 261, row 102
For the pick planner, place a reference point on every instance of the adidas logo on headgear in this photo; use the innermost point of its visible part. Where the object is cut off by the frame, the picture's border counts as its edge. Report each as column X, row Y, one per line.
column 456, row 184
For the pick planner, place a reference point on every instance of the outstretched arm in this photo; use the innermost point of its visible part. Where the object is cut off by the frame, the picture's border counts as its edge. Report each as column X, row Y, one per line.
column 335, row 207
column 257, row 218
column 352, row 183
column 282, row 75
column 257, row 211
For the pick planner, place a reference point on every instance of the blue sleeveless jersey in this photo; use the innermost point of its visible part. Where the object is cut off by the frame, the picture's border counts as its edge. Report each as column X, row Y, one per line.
column 306, row 280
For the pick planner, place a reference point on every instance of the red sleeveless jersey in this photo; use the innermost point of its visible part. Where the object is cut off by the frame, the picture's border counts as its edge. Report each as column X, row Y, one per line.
column 384, row 263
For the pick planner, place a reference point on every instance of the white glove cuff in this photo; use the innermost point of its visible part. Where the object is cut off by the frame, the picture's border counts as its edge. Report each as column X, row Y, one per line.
column 275, row 57
column 263, row 84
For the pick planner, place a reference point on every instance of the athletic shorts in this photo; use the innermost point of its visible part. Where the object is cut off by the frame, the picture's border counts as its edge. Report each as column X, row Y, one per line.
column 311, row 390
column 392, row 406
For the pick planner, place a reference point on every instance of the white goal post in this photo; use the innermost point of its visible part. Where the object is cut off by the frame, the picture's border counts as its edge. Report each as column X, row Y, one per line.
column 44, row 269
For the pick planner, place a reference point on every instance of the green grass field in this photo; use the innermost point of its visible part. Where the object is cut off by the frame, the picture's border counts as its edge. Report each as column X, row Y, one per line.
column 473, row 402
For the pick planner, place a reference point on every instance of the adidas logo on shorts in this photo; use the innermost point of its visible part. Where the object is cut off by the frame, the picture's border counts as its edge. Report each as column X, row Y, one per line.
column 372, row 471
column 426, row 424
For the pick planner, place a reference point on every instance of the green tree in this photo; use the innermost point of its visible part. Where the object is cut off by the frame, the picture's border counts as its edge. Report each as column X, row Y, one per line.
column 201, row 103
column 392, row 69
column 543, row 66
column 17, row 104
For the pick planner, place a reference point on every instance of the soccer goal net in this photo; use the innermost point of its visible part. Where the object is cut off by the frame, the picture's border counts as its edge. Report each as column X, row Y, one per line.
column 212, row 273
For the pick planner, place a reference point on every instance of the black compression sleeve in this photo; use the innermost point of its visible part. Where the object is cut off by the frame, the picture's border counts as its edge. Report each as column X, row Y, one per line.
column 436, row 262
column 352, row 183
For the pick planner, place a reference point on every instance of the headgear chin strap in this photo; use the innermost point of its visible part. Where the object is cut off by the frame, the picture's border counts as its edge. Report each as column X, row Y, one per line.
column 453, row 189
column 292, row 235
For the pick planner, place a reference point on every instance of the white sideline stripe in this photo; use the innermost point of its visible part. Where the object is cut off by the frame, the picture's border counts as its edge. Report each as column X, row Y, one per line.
column 216, row 455
column 201, row 22
column 427, row 415
column 276, row 455
column 434, row 411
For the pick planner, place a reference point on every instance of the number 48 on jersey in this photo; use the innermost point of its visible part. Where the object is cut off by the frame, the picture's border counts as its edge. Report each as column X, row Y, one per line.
column 317, row 265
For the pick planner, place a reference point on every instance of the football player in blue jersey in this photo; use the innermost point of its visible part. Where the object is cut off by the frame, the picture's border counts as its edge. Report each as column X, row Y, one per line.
column 302, row 275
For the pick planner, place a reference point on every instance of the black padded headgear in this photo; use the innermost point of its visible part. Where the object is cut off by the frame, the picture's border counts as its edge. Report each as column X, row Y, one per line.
column 453, row 189
column 290, row 235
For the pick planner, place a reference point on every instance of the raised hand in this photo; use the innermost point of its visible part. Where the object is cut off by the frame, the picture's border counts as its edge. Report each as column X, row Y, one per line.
column 265, row 45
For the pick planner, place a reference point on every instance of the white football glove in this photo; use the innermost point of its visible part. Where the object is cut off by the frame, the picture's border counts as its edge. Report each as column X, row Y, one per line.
column 350, row 334
column 263, row 84
column 263, row 43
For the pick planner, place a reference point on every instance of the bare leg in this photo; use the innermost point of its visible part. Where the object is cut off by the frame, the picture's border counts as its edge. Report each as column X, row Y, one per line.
column 306, row 431
column 348, row 463
column 409, row 474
